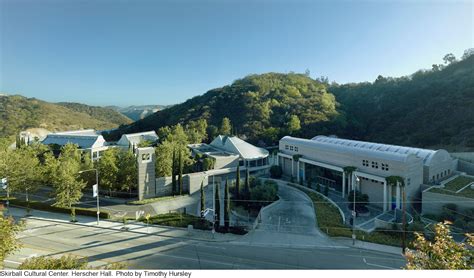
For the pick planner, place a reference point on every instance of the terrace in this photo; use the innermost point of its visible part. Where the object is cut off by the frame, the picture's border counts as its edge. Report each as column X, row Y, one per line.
column 460, row 186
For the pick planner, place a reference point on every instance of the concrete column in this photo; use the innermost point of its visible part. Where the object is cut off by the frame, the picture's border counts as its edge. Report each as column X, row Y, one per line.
column 384, row 205
column 304, row 171
column 298, row 171
column 398, row 196
column 390, row 197
column 343, row 184
column 277, row 160
column 292, row 166
column 353, row 181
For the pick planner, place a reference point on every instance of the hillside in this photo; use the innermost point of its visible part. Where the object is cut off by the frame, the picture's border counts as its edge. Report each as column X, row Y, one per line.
column 138, row 112
column 262, row 108
column 18, row 113
column 432, row 108
column 100, row 113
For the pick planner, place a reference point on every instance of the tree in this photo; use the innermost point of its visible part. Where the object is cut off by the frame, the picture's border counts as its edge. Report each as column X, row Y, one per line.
column 276, row 172
column 247, row 185
column 449, row 58
column 196, row 131
column 127, row 177
column 226, row 206
column 173, row 173
column 65, row 262
column 180, row 169
column 217, row 207
column 226, row 127
column 467, row 53
column 442, row 253
column 326, row 190
column 203, row 199
column 66, row 180
column 294, row 124
column 108, row 169
column 9, row 242
column 237, row 183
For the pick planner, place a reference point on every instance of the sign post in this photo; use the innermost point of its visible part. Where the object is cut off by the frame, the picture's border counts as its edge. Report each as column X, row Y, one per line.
column 4, row 184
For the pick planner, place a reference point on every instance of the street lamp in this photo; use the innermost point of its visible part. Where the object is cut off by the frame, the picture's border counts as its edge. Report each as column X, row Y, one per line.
column 95, row 189
column 354, row 213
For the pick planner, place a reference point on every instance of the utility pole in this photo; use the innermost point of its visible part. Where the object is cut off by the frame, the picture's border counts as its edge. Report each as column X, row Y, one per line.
column 354, row 214
column 4, row 183
column 403, row 221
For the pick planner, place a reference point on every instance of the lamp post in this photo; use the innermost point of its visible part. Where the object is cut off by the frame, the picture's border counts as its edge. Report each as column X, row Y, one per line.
column 354, row 213
column 95, row 190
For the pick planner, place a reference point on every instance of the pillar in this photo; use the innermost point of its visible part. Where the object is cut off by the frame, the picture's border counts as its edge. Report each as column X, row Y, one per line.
column 343, row 184
column 398, row 196
column 390, row 197
column 292, row 165
column 384, row 205
column 304, row 171
column 352, row 181
column 298, row 171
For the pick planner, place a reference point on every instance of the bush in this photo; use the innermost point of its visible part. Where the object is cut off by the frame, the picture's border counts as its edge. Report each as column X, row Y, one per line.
column 459, row 223
column 326, row 190
column 276, row 172
column 263, row 194
column 46, row 207
column 361, row 200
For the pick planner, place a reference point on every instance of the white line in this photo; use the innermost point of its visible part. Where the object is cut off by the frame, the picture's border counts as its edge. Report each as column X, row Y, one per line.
column 12, row 262
column 377, row 265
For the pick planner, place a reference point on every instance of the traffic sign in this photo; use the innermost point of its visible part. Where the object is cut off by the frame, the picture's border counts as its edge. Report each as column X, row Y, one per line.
column 95, row 190
column 4, row 183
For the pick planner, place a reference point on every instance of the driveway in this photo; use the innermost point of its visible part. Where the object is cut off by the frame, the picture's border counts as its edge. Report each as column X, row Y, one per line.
column 289, row 222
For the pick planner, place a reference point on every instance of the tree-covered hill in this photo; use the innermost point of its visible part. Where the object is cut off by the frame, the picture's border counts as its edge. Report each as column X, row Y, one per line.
column 18, row 113
column 433, row 108
column 100, row 113
column 261, row 108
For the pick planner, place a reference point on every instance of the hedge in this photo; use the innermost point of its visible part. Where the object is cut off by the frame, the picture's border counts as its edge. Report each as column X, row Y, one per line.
column 46, row 207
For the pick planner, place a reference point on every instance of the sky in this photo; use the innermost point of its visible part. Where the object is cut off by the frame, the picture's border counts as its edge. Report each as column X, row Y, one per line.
column 104, row 52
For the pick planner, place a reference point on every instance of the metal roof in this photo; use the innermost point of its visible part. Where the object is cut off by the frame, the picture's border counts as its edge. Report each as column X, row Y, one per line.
column 85, row 139
column 236, row 145
column 135, row 138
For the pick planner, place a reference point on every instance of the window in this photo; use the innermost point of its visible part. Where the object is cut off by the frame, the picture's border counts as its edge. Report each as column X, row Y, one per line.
column 365, row 163
column 384, row 166
column 296, row 149
column 375, row 165
column 408, row 181
column 146, row 157
column 291, row 148
column 286, row 147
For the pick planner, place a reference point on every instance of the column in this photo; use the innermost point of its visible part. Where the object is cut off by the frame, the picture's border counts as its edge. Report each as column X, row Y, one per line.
column 343, row 184
column 292, row 165
column 398, row 196
column 390, row 197
column 353, row 181
column 384, row 205
column 298, row 171
column 277, row 159
column 304, row 171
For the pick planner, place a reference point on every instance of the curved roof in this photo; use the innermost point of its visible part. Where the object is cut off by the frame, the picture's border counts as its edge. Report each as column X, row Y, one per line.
column 85, row 139
column 236, row 145
column 389, row 150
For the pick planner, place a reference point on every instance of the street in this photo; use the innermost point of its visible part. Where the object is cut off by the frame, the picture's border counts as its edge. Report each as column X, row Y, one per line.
column 164, row 249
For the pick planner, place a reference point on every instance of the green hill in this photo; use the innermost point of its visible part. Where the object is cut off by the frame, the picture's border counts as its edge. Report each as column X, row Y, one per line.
column 99, row 113
column 18, row 113
column 262, row 108
column 433, row 108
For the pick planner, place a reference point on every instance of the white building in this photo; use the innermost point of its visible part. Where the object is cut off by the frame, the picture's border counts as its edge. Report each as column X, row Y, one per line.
column 134, row 139
column 322, row 159
column 87, row 140
column 230, row 151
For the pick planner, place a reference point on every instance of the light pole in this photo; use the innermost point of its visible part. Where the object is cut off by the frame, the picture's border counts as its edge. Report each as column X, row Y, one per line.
column 95, row 190
column 354, row 213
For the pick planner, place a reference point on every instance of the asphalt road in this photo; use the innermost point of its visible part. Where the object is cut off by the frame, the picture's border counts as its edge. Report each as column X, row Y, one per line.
column 154, row 251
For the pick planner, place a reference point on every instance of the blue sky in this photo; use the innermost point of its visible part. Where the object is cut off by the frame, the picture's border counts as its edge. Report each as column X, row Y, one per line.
column 105, row 52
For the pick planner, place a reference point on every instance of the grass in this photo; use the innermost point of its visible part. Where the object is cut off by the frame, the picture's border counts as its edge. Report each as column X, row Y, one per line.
column 451, row 187
column 329, row 220
column 182, row 220
column 153, row 200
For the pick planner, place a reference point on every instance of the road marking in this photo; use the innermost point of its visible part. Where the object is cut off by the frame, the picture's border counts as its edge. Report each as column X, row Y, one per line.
column 377, row 265
column 12, row 262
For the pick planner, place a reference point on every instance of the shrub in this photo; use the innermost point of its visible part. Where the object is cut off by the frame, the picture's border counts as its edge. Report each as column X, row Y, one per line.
column 318, row 187
column 43, row 206
column 276, row 172
column 326, row 190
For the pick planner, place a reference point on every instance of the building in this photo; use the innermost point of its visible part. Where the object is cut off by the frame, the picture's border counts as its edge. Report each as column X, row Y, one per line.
column 133, row 140
column 323, row 159
column 87, row 140
column 230, row 151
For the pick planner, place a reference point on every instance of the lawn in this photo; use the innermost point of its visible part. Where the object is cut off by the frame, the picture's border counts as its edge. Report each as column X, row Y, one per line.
column 152, row 200
column 455, row 185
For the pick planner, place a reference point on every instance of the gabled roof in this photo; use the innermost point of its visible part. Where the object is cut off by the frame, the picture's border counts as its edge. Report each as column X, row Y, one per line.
column 85, row 139
column 135, row 138
column 238, row 146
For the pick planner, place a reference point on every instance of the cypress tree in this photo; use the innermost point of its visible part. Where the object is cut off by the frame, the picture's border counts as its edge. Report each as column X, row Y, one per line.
column 226, row 206
column 173, row 172
column 217, row 208
column 180, row 177
column 247, row 185
column 237, row 183
column 203, row 199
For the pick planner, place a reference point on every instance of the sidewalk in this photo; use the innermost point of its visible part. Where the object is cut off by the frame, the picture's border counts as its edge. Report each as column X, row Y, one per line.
column 133, row 227
column 369, row 246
